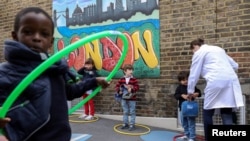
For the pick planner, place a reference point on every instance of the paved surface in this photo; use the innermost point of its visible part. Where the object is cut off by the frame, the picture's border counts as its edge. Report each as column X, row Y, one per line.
column 103, row 130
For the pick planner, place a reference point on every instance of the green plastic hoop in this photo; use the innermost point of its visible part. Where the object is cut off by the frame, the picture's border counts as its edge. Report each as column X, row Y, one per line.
column 56, row 57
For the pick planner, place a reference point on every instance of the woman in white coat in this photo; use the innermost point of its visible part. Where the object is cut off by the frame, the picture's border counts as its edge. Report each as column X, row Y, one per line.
column 223, row 90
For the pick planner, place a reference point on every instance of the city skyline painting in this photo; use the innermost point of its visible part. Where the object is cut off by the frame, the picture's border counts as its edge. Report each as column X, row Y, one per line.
column 137, row 19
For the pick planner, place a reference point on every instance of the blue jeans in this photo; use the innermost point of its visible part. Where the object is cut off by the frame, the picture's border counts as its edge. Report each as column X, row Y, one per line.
column 128, row 108
column 226, row 116
column 188, row 124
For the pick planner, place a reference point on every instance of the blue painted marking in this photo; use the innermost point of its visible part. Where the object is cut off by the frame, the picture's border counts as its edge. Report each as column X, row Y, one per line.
column 80, row 137
column 159, row 136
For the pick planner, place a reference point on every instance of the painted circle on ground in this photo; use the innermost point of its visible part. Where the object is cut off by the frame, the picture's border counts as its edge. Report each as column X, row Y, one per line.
column 74, row 118
column 134, row 132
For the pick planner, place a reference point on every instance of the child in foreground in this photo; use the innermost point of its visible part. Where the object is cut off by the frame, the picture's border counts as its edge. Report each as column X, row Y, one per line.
column 40, row 113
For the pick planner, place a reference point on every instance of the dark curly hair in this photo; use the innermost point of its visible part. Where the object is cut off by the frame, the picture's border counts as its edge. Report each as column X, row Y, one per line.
column 24, row 11
column 198, row 42
column 183, row 75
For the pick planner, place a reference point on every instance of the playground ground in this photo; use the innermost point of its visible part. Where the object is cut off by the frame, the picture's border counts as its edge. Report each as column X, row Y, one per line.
column 103, row 129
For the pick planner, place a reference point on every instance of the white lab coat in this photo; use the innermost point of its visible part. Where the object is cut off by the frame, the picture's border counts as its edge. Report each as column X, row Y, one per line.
column 222, row 89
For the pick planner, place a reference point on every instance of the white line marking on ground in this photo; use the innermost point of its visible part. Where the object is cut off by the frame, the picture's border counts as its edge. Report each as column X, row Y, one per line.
column 79, row 137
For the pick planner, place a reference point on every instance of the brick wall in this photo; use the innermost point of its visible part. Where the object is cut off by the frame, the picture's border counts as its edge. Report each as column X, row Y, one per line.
column 8, row 9
column 224, row 23
column 221, row 22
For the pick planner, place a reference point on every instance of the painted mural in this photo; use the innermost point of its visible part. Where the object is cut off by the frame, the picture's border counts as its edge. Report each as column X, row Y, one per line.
column 137, row 19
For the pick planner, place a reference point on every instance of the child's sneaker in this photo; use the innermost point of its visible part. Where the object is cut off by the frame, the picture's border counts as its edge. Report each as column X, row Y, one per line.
column 90, row 117
column 131, row 128
column 184, row 138
column 125, row 126
column 82, row 116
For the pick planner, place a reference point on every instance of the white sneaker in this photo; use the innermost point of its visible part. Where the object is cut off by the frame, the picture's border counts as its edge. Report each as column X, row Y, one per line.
column 90, row 117
column 190, row 140
column 82, row 116
column 185, row 138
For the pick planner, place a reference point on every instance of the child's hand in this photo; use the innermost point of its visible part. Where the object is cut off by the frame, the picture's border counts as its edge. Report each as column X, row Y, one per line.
column 129, row 90
column 195, row 95
column 184, row 96
column 102, row 82
column 3, row 122
column 128, row 86
column 3, row 138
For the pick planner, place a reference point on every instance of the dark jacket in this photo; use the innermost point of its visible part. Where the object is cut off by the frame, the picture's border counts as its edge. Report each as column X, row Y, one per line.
column 182, row 89
column 40, row 113
column 87, row 73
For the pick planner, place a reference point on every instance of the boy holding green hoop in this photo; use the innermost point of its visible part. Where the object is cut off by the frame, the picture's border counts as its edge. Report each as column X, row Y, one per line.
column 40, row 113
